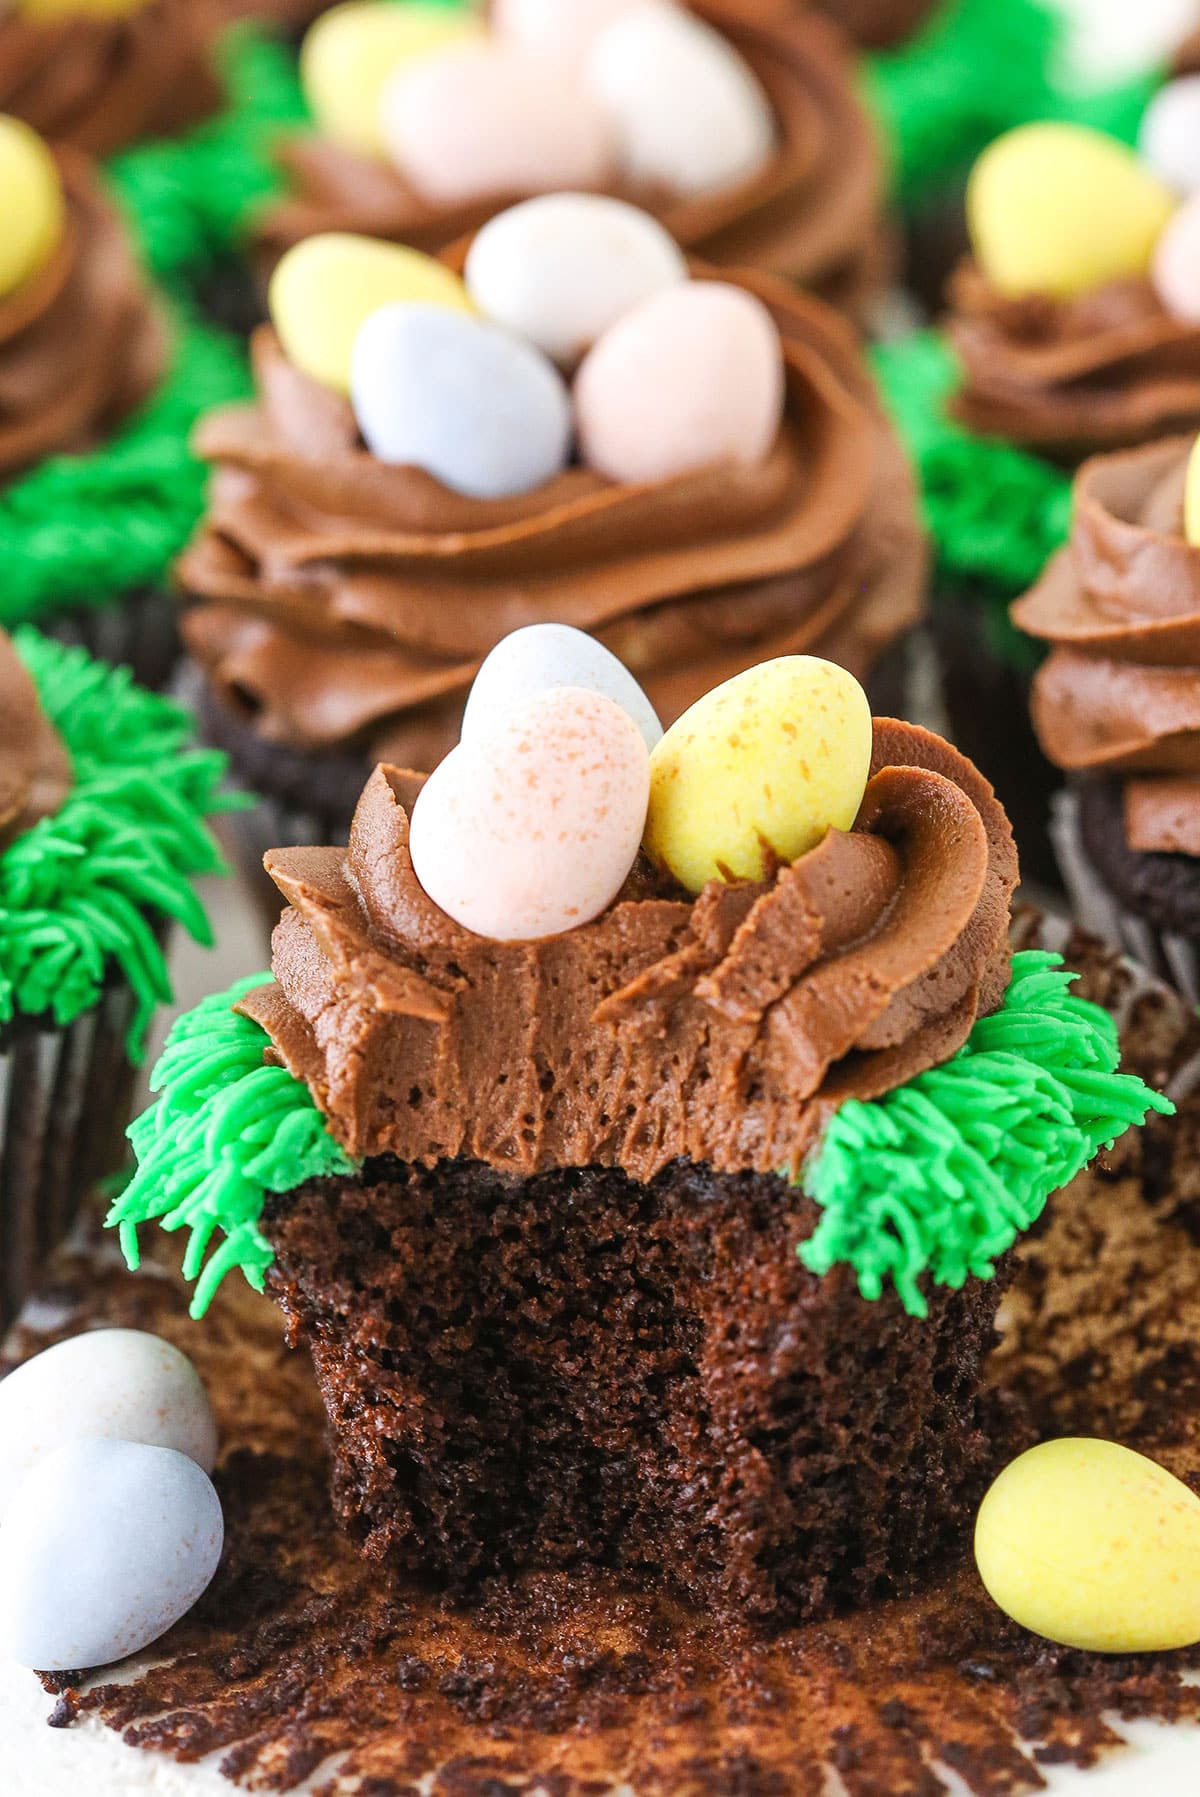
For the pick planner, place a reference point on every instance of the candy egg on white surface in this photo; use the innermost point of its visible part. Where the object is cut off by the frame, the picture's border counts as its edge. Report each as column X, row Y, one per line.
column 534, row 830
column 480, row 409
column 103, row 1547
column 691, row 377
column 116, row 1384
column 484, row 119
column 540, row 657
column 561, row 268
column 688, row 112
column 1169, row 139
column 564, row 29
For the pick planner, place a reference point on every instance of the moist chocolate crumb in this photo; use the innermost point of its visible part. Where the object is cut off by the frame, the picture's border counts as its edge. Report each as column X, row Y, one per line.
column 573, row 1681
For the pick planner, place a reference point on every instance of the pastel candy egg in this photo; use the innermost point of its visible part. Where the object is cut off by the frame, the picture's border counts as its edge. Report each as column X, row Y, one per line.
column 1176, row 267
column 353, row 50
column 762, row 766
column 560, row 269
column 324, row 288
column 540, row 657
column 1169, row 139
column 1191, row 497
column 1094, row 1546
column 115, row 1384
column 34, row 209
column 692, row 376
column 479, row 409
column 564, row 29
column 1107, row 42
column 689, row 113
column 533, row 830
column 487, row 119
column 103, row 1548
column 1060, row 209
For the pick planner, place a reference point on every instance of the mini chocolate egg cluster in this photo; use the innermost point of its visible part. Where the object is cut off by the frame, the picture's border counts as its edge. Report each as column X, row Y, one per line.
column 575, row 332
column 548, row 94
column 33, row 204
column 1062, row 209
column 563, row 776
column 110, row 1527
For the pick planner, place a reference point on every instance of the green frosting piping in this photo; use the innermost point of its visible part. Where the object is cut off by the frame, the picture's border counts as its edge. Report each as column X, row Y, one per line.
column 82, row 891
column 940, row 1176
column 227, row 1129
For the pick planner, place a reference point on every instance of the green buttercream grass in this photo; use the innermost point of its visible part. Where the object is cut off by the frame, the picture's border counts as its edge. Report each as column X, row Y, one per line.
column 942, row 1175
column 82, row 891
column 227, row 1129
column 938, row 1178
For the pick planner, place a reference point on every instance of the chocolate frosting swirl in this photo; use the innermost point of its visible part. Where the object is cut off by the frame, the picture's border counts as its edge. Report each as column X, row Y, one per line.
column 81, row 343
column 813, row 214
column 347, row 603
column 879, row 23
column 35, row 769
column 1120, row 692
column 725, row 1028
column 1071, row 377
column 101, row 82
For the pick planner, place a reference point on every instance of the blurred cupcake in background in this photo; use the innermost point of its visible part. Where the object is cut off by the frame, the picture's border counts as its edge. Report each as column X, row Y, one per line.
column 99, row 77
column 585, row 430
column 737, row 125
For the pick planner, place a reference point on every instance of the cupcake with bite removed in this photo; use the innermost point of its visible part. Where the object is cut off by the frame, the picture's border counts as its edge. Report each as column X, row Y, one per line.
column 100, row 77
column 1116, row 705
column 682, row 1094
column 738, row 127
column 583, row 429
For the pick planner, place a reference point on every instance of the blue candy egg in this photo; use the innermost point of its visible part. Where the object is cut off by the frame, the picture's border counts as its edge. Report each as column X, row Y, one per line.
column 481, row 410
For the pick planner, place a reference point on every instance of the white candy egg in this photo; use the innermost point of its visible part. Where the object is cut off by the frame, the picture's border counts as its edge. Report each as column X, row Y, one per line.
column 688, row 112
column 1175, row 271
column 533, row 831
column 119, row 1384
column 564, row 29
column 1169, row 140
column 537, row 659
column 104, row 1546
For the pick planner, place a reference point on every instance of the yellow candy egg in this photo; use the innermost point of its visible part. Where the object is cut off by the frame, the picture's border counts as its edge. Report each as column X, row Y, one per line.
column 34, row 208
column 352, row 52
column 1094, row 1546
column 324, row 289
column 1191, row 496
column 1060, row 209
column 762, row 766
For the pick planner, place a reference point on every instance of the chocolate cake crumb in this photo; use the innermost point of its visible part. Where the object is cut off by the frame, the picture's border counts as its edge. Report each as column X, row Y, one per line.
column 571, row 1682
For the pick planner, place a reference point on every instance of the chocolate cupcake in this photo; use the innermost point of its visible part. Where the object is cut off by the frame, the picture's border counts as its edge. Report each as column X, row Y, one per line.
column 94, row 468
column 796, row 190
column 1117, row 704
column 341, row 604
column 102, row 807
column 711, row 1191
column 100, row 81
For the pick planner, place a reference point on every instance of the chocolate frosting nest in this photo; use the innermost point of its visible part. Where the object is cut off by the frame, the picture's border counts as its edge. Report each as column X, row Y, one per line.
column 1120, row 692
column 1072, row 377
column 101, row 82
column 813, row 214
column 35, row 769
column 725, row 1028
column 878, row 24
column 82, row 342
column 346, row 603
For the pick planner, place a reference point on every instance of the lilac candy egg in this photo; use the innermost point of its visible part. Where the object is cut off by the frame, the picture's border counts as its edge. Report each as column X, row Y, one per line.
column 485, row 119
column 539, row 657
column 1175, row 270
column 481, row 410
column 691, row 377
column 533, row 829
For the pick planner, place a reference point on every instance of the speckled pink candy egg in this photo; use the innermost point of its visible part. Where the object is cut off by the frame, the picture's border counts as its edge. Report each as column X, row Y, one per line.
column 692, row 376
column 1175, row 270
column 565, row 29
column 481, row 119
column 533, row 830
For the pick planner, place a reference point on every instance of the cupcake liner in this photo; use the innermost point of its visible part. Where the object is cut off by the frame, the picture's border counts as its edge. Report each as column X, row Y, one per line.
column 1164, row 953
column 66, row 1095
column 141, row 632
